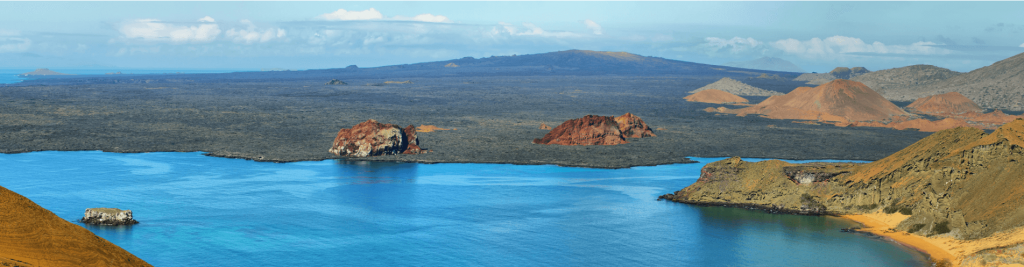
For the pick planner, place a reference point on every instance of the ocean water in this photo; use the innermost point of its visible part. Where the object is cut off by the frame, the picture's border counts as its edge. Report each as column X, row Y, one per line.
column 204, row 211
column 9, row 76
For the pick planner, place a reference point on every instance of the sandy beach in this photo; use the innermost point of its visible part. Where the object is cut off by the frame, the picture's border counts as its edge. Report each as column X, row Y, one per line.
column 940, row 248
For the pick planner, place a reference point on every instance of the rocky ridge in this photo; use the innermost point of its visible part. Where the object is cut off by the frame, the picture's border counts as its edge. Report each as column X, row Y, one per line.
column 959, row 183
column 905, row 83
column 736, row 87
column 997, row 86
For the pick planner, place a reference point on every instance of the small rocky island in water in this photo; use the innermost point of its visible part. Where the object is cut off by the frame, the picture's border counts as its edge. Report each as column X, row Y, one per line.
column 108, row 216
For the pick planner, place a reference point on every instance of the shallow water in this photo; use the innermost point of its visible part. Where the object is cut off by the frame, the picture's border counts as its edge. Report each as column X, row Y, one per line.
column 206, row 211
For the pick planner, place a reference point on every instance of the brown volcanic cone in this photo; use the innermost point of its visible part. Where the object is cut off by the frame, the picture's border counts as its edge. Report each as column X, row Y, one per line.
column 35, row 236
column 633, row 127
column 947, row 104
column 589, row 130
column 715, row 96
column 838, row 100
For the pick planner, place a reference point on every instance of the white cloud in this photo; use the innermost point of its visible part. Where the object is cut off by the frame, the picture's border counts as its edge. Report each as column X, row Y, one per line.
column 593, row 26
column 207, row 19
column 14, row 44
column 735, row 45
column 155, row 30
column 817, row 48
column 426, row 17
column 341, row 14
column 837, row 45
column 1021, row 45
column 373, row 14
column 252, row 34
column 532, row 30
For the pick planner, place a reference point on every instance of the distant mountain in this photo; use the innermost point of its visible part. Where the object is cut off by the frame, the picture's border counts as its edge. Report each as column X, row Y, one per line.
column 837, row 73
column 997, row 86
column 43, row 72
column 575, row 62
column 736, row 87
column 767, row 63
column 905, row 84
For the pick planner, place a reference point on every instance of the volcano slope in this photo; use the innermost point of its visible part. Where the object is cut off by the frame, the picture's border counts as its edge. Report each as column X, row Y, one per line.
column 960, row 184
column 33, row 236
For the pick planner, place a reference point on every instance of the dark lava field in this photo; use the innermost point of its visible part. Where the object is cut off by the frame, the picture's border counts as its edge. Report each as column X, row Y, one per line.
column 294, row 116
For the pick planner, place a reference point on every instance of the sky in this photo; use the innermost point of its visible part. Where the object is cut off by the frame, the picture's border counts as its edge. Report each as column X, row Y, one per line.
column 817, row 36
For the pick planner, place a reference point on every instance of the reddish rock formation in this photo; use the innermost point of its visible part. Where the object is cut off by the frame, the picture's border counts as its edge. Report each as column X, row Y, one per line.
column 589, row 130
column 545, row 127
column 597, row 130
column 430, row 128
column 371, row 138
column 632, row 126
column 715, row 96
column 947, row 104
column 835, row 101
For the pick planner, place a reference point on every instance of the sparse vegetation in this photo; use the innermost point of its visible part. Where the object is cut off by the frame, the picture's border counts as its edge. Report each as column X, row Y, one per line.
column 941, row 228
column 915, row 228
column 868, row 207
column 906, row 211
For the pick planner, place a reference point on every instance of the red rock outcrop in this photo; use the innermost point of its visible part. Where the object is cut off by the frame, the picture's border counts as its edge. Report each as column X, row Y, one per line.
column 371, row 138
column 597, row 130
column 632, row 126
column 589, row 130
column 545, row 127
column 835, row 101
column 945, row 105
column 430, row 128
column 715, row 96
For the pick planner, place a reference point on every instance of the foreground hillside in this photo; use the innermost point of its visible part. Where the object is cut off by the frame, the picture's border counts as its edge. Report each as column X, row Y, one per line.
column 33, row 236
column 960, row 184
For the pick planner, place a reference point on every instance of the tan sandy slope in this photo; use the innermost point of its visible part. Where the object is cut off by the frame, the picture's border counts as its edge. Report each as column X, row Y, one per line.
column 33, row 236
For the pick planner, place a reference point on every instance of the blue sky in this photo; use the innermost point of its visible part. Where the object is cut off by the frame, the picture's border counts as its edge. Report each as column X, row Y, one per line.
column 817, row 36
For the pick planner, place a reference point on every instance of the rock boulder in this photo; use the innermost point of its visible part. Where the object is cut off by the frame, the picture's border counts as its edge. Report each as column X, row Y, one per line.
column 108, row 216
column 372, row 138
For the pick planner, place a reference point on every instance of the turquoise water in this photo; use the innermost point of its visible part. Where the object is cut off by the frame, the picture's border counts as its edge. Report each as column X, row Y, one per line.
column 205, row 211
column 8, row 76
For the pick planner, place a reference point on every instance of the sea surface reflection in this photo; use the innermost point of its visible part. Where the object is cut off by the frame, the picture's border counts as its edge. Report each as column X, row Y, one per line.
column 204, row 211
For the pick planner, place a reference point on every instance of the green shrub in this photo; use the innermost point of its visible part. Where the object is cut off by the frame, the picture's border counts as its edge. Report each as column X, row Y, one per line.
column 890, row 209
column 941, row 228
column 915, row 228
column 868, row 207
column 906, row 211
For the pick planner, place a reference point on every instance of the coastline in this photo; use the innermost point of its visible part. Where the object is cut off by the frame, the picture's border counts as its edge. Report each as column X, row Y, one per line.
column 881, row 224
column 938, row 248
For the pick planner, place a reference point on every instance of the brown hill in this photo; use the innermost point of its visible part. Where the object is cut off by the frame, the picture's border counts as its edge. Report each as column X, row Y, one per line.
column 597, row 130
column 371, row 138
column 836, row 101
column 997, row 86
column 958, row 189
column 736, row 87
column 589, row 130
column 947, row 104
column 905, row 84
column 715, row 96
column 33, row 236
